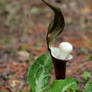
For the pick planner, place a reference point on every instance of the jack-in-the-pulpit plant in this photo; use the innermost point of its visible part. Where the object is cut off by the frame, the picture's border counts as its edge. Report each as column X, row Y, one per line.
column 39, row 73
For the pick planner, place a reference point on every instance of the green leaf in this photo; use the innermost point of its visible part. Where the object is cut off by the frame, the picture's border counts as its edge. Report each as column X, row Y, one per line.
column 78, row 90
column 40, row 73
column 88, row 87
column 74, row 90
column 84, row 50
column 57, row 24
column 87, row 75
column 4, row 91
column 63, row 85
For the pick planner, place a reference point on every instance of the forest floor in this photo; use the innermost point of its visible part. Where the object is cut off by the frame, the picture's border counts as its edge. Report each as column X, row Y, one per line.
column 18, row 51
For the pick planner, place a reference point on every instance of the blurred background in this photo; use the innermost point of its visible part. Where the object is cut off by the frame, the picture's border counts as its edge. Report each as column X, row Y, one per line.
column 23, row 28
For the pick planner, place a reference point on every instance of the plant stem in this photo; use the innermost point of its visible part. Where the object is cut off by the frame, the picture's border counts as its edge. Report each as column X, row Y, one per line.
column 60, row 68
